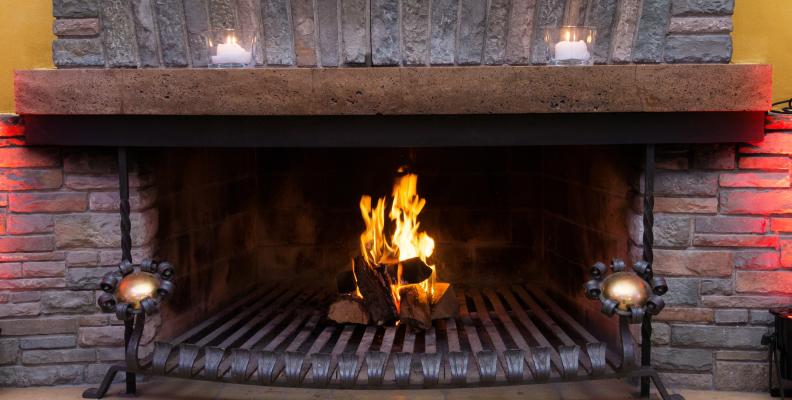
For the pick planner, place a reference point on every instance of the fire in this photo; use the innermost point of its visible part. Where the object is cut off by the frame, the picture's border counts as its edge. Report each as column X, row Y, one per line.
column 407, row 240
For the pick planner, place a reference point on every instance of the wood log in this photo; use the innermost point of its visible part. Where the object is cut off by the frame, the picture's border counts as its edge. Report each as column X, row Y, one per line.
column 444, row 301
column 349, row 309
column 414, row 270
column 375, row 286
column 414, row 307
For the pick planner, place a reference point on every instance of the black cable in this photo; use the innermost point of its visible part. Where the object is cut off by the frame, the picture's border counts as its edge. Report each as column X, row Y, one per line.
column 783, row 110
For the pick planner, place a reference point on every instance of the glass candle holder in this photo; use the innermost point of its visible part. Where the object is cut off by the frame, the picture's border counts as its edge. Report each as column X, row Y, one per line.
column 231, row 48
column 570, row 45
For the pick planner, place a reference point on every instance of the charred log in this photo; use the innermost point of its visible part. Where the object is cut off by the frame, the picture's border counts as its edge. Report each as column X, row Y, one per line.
column 345, row 282
column 375, row 286
column 349, row 309
column 414, row 308
column 414, row 270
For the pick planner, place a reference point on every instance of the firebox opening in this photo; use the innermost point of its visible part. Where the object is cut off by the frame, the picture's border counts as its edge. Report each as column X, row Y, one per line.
column 237, row 219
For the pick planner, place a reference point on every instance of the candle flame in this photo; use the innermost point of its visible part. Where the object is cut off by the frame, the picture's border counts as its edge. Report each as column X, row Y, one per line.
column 568, row 35
column 231, row 39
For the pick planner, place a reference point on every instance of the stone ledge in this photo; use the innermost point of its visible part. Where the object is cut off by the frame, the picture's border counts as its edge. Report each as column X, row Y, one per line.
column 394, row 91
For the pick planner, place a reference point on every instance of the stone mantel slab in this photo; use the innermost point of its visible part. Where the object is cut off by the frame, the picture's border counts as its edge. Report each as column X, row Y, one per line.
column 394, row 91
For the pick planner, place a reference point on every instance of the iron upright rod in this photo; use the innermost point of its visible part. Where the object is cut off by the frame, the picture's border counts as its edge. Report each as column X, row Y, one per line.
column 648, row 256
column 126, row 244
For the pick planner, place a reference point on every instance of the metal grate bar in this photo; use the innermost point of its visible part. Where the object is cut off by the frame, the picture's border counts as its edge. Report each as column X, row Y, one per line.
column 532, row 329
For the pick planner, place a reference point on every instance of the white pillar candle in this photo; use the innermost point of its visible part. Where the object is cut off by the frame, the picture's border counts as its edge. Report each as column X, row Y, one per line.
column 571, row 50
column 231, row 53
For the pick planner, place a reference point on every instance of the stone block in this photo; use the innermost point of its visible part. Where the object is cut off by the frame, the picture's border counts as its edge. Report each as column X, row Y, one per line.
column 624, row 31
column 14, row 244
column 76, row 27
column 38, row 326
column 786, row 253
column 755, row 179
column 652, row 28
column 716, row 287
column 19, row 310
column 55, row 356
column 9, row 351
column 41, row 375
column 661, row 333
column 196, row 19
column 82, row 258
column 713, row 156
column 783, row 225
column 717, row 336
column 763, row 282
column 25, row 224
column 682, row 291
column 72, row 53
column 21, row 157
column 470, row 39
column 741, row 355
column 701, row 25
column 518, row 44
column 601, row 14
column 25, row 297
column 44, row 269
column 415, row 32
column 722, row 224
column 756, row 259
column 497, row 32
column 172, row 32
column 305, row 31
column 765, row 163
column 684, row 183
column 731, row 316
column 10, row 270
column 146, row 33
column 548, row 13
column 47, row 342
column 702, row 7
column 327, row 18
column 355, row 49
column 248, row 14
column 75, row 8
column 773, row 143
column 698, row 49
column 686, row 314
column 385, row 37
column 687, row 205
column 101, row 230
column 278, row 32
column 101, row 336
column 94, row 373
column 676, row 359
column 109, row 201
column 96, row 320
column 672, row 230
column 735, row 240
column 110, row 354
column 687, row 380
column 118, row 33
column 68, row 302
column 47, row 202
column 86, row 278
column 742, row 376
column 221, row 14
column 761, row 317
column 33, row 284
column 444, row 16
column 745, row 301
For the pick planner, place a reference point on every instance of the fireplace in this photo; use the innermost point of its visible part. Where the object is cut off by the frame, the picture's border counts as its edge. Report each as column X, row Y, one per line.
column 248, row 181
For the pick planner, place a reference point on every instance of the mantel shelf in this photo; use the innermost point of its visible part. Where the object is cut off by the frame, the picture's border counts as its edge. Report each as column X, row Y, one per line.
column 394, row 90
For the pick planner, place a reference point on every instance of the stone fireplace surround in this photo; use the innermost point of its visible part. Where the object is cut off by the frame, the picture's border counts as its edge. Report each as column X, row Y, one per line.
column 721, row 209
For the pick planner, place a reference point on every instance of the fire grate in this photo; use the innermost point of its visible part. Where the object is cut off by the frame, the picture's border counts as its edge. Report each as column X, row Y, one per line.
column 503, row 335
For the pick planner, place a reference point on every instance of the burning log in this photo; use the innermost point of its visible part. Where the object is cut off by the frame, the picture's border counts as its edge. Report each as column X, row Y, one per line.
column 375, row 286
column 444, row 301
column 349, row 309
column 415, row 270
column 414, row 308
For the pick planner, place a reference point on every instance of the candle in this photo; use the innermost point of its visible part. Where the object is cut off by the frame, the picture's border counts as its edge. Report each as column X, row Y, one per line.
column 231, row 53
column 571, row 49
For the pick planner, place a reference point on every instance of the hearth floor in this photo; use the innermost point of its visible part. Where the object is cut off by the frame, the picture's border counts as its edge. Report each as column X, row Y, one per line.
column 287, row 325
column 179, row 389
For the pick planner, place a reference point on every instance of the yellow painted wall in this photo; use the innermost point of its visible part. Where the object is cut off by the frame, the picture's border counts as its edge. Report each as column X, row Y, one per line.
column 762, row 34
column 25, row 42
